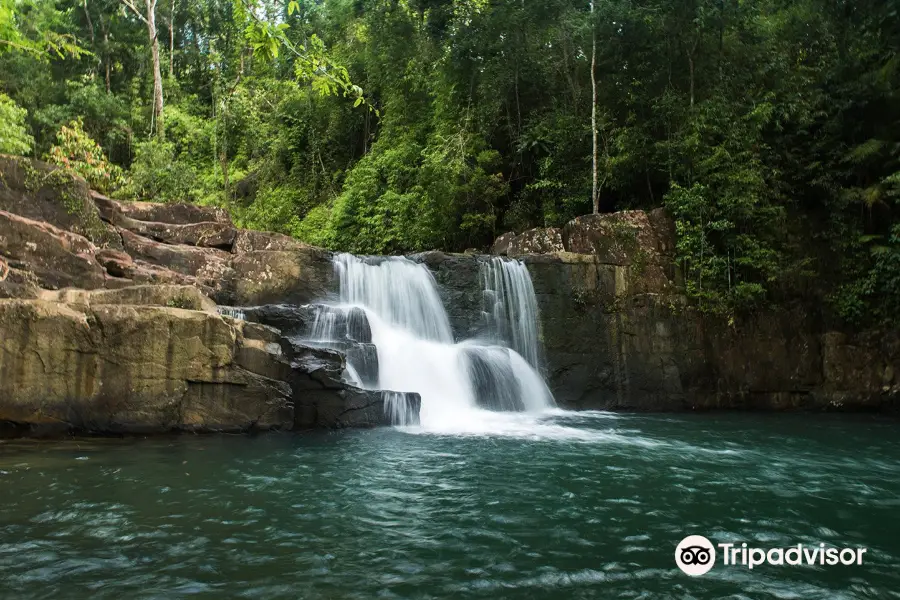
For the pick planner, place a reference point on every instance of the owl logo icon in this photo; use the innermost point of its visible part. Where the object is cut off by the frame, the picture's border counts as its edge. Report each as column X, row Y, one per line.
column 695, row 555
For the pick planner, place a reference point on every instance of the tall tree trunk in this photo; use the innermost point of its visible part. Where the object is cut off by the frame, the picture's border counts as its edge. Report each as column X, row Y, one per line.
column 595, row 191
column 87, row 15
column 721, row 39
column 223, row 162
column 105, row 30
column 149, row 19
column 172, row 41
column 157, row 74
column 690, row 58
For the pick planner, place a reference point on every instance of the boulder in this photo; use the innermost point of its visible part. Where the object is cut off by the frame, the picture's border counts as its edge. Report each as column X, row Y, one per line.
column 537, row 241
column 354, row 407
column 615, row 239
column 178, row 214
column 273, row 276
column 501, row 244
column 325, row 401
column 42, row 192
column 255, row 241
column 56, row 258
column 289, row 319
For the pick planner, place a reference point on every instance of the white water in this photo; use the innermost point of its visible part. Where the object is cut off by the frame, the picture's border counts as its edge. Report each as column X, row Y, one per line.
column 402, row 293
column 465, row 387
column 511, row 307
column 231, row 311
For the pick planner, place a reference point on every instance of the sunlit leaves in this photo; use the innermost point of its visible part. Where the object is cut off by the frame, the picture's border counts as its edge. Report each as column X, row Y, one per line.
column 265, row 38
column 312, row 63
column 36, row 28
column 76, row 152
column 14, row 136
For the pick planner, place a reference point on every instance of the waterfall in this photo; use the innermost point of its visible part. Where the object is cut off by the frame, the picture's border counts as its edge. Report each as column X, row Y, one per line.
column 392, row 326
column 231, row 311
column 511, row 309
column 402, row 293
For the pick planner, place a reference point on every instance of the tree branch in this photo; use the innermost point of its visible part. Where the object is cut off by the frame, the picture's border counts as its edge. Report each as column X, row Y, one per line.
column 130, row 4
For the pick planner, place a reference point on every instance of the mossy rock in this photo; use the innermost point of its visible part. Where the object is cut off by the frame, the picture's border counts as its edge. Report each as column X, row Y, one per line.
column 43, row 192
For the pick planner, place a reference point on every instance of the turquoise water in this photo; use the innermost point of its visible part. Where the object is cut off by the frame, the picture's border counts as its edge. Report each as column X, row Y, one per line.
column 574, row 506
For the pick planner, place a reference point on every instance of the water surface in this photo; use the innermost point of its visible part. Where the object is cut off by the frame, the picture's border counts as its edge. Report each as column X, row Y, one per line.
column 586, row 505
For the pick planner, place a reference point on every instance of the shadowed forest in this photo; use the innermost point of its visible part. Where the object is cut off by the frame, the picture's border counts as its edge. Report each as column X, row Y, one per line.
column 770, row 129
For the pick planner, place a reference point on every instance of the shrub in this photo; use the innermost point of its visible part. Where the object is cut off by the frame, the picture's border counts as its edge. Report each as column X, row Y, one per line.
column 76, row 152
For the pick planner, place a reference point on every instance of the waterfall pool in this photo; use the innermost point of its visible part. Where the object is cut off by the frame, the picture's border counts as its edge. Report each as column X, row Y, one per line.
column 567, row 505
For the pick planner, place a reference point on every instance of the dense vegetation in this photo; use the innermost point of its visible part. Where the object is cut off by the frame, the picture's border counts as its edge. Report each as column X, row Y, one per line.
column 769, row 128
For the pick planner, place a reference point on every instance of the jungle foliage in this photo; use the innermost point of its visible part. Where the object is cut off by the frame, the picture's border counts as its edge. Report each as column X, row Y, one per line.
column 769, row 128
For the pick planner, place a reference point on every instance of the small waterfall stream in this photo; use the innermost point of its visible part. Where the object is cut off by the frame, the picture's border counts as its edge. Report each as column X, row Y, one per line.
column 393, row 327
column 511, row 307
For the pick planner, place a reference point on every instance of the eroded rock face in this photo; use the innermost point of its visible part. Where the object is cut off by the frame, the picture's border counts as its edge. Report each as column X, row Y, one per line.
column 97, row 361
column 618, row 334
column 55, row 257
column 327, row 402
column 126, row 368
column 155, row 212
column 271, row 276
column 106, row 355
column 131, row 243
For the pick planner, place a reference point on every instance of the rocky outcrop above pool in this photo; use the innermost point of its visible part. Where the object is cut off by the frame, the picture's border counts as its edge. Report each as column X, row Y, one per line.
column 109, row 322
column 155, row 359
column 56, row 233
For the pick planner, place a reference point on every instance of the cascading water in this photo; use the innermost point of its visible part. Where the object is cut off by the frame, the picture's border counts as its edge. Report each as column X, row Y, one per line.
column 511, row 310
column 232, row 311
column 392, row 326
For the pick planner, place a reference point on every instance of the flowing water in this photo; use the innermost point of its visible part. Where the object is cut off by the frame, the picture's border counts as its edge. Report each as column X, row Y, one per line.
column 571, row 505
column 392, row 325
column 511, row 310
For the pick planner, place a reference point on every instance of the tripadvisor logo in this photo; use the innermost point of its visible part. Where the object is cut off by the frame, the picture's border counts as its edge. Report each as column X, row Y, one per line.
column 696, row 555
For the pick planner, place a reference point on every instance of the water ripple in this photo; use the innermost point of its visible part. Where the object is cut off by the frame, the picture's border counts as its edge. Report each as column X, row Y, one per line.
column 586, row 505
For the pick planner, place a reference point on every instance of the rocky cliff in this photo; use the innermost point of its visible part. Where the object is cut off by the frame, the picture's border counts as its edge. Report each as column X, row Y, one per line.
column 619, row 333
column 108, row 318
